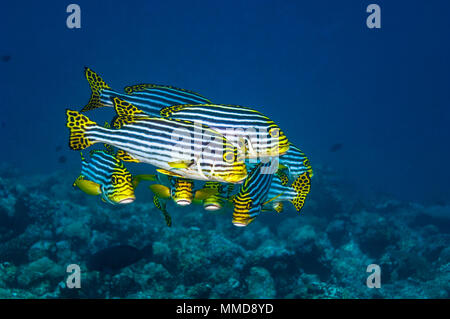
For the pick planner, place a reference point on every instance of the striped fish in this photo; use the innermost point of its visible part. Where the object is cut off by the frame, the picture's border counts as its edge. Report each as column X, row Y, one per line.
column 254, row 133
column 260, row 190
column 106, row 175
column 296, row 162
column 150, row 98
column 181, row 148
column 252, row 195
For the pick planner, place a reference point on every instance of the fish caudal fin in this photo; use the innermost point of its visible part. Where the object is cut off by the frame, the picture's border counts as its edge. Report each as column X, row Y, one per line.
column 302, row 186
column 77, row 124
column 97, row 86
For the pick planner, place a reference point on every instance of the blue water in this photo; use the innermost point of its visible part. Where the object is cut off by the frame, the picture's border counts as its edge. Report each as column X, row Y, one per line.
column 311, row 66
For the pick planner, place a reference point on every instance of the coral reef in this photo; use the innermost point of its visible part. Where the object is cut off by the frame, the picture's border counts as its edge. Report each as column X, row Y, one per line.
column 45, row 225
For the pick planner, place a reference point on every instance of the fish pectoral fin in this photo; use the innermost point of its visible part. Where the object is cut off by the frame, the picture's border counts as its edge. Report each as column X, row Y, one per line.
column 180, row 164
column 204, row 193
column 160, row 190
column 87, row 186
column 166, row 172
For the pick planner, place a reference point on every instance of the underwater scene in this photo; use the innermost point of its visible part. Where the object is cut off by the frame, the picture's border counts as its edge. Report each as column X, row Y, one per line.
column 225, row 150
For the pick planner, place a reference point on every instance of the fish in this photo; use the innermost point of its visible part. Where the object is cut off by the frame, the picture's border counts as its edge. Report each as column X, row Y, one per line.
column 105, row 175
column 150, row 98
column 253, row 133
column 189, row 150
column 6, row 58
column 263, row 187
column 114, row 258
column 296, row 162
column 252, row 195
column 336, row 147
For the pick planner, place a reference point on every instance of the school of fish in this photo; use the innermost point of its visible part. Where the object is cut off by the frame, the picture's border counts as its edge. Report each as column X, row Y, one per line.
column 222, row 157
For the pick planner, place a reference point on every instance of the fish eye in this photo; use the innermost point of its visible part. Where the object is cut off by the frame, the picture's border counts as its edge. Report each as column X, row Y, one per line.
column 274, row 132
column 229, row 157
column 129, row 179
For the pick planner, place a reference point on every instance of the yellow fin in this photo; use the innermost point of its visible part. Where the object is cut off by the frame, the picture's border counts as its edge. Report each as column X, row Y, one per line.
column 203, row 193
column 180, row 164
column 166, row 172
column 87, row 186
column 160, row 190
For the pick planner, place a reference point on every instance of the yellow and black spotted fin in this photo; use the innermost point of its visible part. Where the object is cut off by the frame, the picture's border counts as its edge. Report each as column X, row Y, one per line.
column 77, row 124
column 302, row 186
column 160, row 190
column 126, row 112
column 97, row 86
column 124, row 156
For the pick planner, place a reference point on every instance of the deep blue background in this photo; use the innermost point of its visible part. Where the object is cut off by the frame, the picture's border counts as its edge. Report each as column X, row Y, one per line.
column 312, row 66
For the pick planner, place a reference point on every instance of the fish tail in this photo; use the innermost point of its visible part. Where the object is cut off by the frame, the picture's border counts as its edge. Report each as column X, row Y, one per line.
column 97, row 86
column 77, row 124
column 301, row 186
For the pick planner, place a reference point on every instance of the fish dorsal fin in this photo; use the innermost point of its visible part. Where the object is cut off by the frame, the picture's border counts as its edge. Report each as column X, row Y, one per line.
column 126, row 112
column 166, row 172
column 169, row 110
column 124, row 156
column 144, row 87
column 160, row 190
column 204, row 193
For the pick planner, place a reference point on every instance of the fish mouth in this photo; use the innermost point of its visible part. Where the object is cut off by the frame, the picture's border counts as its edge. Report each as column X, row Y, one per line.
column 125, row 201
column 239, row 224
column 212, row 207
column 183, row 202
